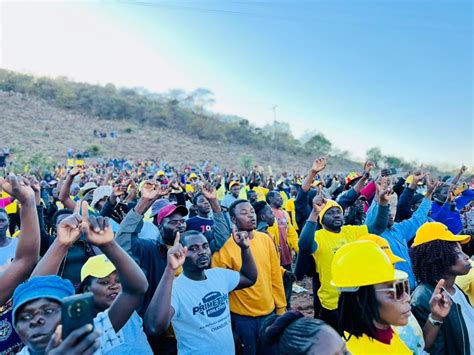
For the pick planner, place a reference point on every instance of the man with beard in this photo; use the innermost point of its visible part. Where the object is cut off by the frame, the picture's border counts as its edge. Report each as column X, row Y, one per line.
column 150, row 254
column 197, row 301
column 251, row 306
column 321, row 245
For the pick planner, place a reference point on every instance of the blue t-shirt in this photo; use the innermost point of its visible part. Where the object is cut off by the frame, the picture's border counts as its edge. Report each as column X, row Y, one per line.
column 200, row 224
column 201, row 320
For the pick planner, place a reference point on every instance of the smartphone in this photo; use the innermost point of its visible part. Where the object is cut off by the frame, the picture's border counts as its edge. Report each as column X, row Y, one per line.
column 389, row 171
column 77, row 311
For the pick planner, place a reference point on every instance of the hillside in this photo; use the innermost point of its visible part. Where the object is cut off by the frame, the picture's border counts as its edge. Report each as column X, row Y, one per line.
column 31, row 125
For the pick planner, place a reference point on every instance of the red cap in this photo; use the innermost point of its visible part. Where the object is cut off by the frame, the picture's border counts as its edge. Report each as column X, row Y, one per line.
column 169, row 210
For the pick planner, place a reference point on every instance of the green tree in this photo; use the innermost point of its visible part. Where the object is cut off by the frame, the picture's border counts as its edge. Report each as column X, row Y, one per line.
column 318, row 144
column 392, row 161
column 374, row 155
column 246, row 161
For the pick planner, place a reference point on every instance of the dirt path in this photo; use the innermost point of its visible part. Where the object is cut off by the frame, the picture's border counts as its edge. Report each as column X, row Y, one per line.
column 303, row 302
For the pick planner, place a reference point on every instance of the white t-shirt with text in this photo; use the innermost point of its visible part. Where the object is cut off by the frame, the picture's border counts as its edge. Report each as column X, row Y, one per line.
column 202, row 314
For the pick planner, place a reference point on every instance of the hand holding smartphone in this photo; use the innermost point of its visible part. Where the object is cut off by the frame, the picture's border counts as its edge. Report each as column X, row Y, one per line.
column 77, row 311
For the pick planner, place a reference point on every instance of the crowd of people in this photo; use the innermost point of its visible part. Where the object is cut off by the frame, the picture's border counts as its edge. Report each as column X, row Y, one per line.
column 198, row 260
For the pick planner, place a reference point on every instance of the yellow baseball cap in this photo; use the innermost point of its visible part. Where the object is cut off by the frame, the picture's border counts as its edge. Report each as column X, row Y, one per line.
column 383, row 244
column 437, row 231
column 233, row 183
column 97, row 266
column 160, row 173
column 192, row 176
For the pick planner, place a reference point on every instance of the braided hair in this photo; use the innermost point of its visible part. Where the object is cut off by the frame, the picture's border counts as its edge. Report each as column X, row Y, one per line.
column 357, row 312
column 431, row 261
column 291, row 333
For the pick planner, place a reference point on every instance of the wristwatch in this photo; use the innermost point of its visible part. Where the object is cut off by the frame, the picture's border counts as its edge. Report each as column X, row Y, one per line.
column 436, row 323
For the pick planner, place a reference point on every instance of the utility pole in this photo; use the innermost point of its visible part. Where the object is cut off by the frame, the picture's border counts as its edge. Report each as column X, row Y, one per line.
column 274, row 107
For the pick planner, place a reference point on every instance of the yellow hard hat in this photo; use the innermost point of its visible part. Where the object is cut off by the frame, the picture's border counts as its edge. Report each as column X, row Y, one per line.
column 383, row 244
column 362, row 263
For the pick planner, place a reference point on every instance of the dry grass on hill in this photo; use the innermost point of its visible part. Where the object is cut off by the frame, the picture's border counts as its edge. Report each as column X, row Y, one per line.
column 31, row 125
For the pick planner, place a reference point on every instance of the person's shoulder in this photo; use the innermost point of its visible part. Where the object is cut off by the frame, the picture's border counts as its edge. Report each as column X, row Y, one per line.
column 229, row 244
column 263, row 239
column 218, row 272
column 261, row 236
column 102, row 320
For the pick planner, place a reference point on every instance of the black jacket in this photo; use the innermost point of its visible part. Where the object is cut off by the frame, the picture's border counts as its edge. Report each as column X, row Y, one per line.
column 453, row 337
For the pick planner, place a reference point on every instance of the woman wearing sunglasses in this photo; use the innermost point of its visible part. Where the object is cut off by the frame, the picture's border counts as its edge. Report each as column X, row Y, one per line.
column 374, row 298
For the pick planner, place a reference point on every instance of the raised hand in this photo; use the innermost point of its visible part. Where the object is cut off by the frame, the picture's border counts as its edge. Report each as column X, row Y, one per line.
column 209, row 192
column 319, row 165
column 76, row 170
column 451, row 196
column 35, row 185
column 69, row 230
column 318, row 203
column 463, row 169
column 153, row 191
column 121, row 188
column 431, row 185
column 440, row 302
column 368, row 166
column 176, row 254
column 17, row 187
column 97, row 229
column 242, row 238
column 385, row 196
column 417, row 177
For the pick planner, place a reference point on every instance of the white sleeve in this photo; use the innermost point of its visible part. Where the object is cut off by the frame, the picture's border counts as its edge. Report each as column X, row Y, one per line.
column 175, row 303
column 232, row 277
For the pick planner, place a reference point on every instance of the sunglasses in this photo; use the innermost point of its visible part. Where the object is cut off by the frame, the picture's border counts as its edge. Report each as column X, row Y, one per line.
column 399, row 288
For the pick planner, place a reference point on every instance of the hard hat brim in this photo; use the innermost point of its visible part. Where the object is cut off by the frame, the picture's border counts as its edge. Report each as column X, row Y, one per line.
column 398, row 275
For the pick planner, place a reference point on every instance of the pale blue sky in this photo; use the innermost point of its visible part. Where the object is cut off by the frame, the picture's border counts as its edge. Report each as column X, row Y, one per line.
column 392, row 74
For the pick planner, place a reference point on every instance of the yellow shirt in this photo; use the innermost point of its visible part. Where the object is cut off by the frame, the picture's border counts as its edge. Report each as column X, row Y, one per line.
column 268, row 292
column 291, row 236
column 328, row 244
column 261, row 192
column 365, row 345
column 243, row 192
column 466, row 283
column 289, row 207
column 284, row 197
